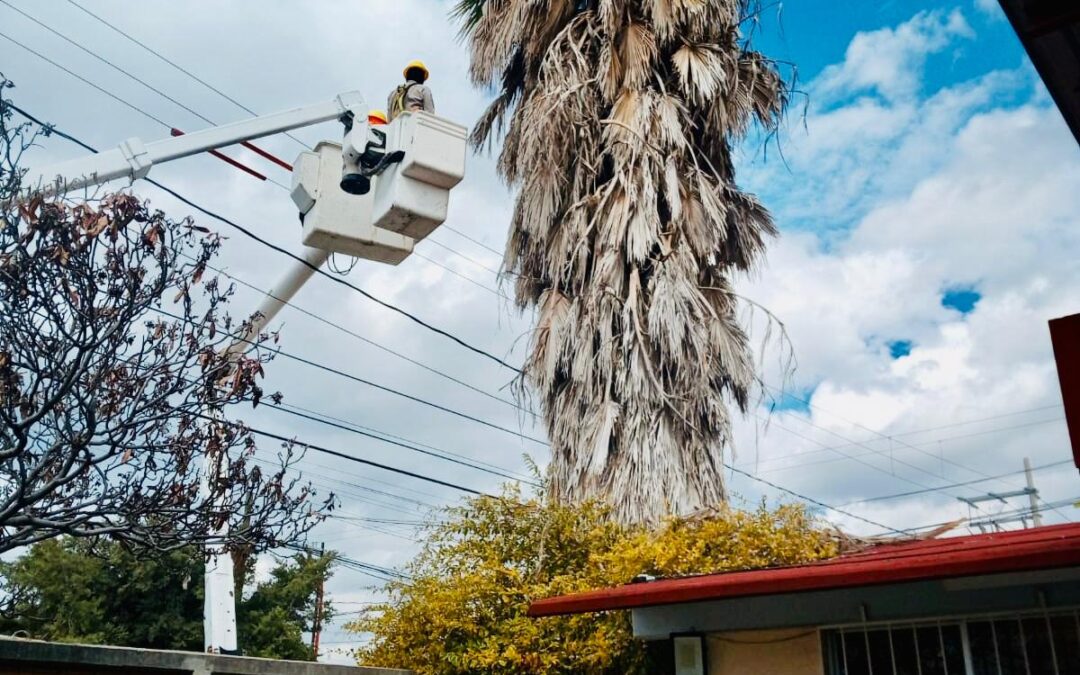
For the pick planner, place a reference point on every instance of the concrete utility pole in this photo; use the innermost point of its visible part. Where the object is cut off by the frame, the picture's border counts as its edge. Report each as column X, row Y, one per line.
column 1033, row 494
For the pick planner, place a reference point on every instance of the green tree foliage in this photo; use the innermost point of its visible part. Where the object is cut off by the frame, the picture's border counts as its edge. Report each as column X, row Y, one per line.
column 273, row 618
column 96, row 592
column 463, row 608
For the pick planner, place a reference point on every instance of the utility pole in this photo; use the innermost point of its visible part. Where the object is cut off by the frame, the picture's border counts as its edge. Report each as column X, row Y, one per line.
column 991, row 521
column 316, row 624
column 1033, row 494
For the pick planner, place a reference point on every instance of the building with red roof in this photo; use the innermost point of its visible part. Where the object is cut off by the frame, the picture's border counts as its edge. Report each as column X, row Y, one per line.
column 987, row 604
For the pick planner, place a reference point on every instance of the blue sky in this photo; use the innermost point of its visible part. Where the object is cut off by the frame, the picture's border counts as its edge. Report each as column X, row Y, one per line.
column 814, row 35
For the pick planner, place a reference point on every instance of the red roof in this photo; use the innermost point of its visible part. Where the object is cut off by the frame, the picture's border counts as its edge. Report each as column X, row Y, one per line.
column 1016, row 551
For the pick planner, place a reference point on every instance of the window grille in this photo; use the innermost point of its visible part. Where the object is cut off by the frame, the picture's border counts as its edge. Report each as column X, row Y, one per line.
column 1046, row 643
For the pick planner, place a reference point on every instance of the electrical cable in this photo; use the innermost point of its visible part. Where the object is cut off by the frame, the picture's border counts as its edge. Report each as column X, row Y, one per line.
column 989, row 418
column 855, row 458
column 346, row 456
column 811, row 500
column 990, row 519
column 334, row 485
column 410, row 397
column 108, row 62
column 462, row 234
column 368, row 528
column 936, row 441
column 355, row 378
column 517, row 476
column 873, row 431
column 392, row 442
column 369, row 341
column 913, row 493
column 177, row 67
column 472, row 281
column 251, row 235
column 461, row 255
column 84, row 81
column 922, row 430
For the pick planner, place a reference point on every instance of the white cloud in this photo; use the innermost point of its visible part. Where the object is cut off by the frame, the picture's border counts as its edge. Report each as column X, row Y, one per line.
column 927, row 192
column 887, row 61
column 991, row 8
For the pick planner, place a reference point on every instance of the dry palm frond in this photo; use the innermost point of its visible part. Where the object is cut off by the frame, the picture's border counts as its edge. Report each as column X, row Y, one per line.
column 619, row 118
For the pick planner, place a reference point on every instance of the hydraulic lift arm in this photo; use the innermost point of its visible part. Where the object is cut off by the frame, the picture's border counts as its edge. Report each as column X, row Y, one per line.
column 133, row 159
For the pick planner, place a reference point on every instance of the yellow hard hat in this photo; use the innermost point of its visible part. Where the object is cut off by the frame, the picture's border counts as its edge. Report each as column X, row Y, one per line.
column 377, row 117
column 416, row 63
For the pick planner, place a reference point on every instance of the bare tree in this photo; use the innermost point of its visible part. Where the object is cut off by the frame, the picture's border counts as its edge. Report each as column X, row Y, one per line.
column 116, row 377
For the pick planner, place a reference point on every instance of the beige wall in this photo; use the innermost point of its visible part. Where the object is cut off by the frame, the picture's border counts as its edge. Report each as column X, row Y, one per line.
column 771, row 652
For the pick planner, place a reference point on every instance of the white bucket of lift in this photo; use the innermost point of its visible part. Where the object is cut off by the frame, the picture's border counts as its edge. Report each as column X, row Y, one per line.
column 411, row 197
column 335, row 220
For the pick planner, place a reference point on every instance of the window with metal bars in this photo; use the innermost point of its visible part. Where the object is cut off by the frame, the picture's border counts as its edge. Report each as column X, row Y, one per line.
column 1047, row 643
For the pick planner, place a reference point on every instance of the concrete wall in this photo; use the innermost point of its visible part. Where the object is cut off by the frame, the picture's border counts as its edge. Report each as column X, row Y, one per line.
column 776, row 652
column 33, row 657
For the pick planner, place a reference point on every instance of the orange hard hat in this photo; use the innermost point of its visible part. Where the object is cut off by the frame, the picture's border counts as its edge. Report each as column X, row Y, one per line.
column 377, row 117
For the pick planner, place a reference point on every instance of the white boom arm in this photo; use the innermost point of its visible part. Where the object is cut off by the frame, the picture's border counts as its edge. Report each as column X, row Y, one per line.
column 133, row 159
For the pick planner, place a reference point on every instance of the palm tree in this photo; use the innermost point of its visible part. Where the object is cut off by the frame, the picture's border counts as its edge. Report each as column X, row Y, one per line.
column 617, row 119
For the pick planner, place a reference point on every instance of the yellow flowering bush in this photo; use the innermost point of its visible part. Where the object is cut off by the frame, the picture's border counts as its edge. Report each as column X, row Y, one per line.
column 463, row 610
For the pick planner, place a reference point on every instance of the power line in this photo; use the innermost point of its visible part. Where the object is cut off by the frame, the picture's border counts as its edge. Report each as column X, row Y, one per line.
column 355, row 378
column 873, row 431
column 351, row 458
column 393, row 442
column 912, row 493
column 177, row 66
column 461, row 255
column 107, row 62
column 856, row 458
column 516, row 475
column 989, row 519
column 352, row 563
column 334, row 484
column 951, row 425
column 368, row 528
column 373, row 343
column 409, row 397
column 811, row 500
column 472, row 281
column 911, row 432
column 462, row 234
column 84, row 81
column 251, row 235
column 879, row 453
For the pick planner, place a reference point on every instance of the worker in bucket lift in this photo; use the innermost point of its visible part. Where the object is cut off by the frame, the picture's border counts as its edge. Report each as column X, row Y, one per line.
column 414, row 95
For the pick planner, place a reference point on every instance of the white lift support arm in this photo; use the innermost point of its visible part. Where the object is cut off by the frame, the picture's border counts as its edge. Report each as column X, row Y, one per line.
column 133, row 159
